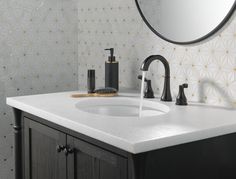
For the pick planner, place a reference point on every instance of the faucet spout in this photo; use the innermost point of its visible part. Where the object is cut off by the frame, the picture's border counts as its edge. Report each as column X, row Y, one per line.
column 166, row 94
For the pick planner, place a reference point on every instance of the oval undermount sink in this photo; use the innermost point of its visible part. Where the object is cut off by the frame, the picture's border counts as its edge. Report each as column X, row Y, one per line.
column 121, row 107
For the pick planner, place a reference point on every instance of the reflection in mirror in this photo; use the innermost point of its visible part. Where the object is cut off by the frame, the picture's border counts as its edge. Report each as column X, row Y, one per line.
column 185, row 21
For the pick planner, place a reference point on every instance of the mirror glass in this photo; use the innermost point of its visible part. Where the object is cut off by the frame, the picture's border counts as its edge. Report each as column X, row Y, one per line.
column 185, row 21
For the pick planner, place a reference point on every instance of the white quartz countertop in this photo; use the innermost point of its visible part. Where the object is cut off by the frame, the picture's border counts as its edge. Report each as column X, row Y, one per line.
column 182, row 124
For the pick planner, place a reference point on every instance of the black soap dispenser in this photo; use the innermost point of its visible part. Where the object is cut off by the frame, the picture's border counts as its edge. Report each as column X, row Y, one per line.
column 112, row 71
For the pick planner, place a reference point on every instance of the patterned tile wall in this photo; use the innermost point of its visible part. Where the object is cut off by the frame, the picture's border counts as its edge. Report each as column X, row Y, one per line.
column 208, row 67
column 38, row 54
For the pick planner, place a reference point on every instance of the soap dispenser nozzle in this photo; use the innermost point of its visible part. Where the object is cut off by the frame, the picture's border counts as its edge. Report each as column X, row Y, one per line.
column 111, row 57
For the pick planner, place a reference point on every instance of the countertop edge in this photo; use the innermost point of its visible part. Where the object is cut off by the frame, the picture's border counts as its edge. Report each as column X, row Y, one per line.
column 100, row 135
column 134, row 148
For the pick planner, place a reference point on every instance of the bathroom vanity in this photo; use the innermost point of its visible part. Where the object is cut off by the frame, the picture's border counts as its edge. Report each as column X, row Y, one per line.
column 55, row 138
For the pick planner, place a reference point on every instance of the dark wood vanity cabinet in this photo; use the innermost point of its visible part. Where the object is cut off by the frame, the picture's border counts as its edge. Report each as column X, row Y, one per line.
column 51, row 154
column 42, row 160
column 45, row 150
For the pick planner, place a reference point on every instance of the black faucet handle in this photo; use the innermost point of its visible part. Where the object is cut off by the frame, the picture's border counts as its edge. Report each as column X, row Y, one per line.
column 141, row 77
column 148, row 93
column 181, row 98
column 185, row 85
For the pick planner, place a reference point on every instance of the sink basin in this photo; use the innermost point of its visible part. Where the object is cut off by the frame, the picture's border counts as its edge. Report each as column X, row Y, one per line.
column 121, row 107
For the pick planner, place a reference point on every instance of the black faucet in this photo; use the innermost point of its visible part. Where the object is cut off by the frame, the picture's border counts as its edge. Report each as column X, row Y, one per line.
column 166, row 94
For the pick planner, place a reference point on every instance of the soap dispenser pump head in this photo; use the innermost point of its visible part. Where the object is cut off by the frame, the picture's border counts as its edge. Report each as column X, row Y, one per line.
column 111, row 58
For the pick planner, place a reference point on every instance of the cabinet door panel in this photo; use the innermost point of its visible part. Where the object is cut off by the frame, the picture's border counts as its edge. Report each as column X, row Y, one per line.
column 91, row 162
column 42, row 161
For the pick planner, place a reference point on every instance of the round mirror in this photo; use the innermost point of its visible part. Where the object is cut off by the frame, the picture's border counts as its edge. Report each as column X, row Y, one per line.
column 185, row 21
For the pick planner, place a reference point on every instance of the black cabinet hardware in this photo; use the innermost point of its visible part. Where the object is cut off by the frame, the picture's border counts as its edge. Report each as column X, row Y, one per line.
column 68, row 150
column 60, row 148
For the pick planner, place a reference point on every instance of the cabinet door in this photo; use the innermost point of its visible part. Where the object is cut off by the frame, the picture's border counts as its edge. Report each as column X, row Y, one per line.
column 90, row 162
column 42, row 160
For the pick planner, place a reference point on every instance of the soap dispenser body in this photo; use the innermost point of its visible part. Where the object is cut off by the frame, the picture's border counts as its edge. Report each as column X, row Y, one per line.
column 112, row 74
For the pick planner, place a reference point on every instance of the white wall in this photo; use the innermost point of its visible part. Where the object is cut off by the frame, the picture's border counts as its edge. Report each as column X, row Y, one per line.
column 38, row 54
column 209, row 67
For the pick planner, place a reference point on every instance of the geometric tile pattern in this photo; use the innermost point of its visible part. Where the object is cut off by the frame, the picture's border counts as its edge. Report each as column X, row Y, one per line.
column 38, row 54
column 208, row 67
